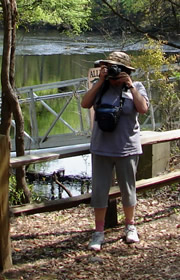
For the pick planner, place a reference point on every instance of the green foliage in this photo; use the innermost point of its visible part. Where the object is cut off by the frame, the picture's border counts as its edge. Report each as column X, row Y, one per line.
column 69, row 14
column 152, row 12
column 16, row 196
column 155, row 65
column 156, row 17
column 176, row 74
column 153, row 59
column 132, row 6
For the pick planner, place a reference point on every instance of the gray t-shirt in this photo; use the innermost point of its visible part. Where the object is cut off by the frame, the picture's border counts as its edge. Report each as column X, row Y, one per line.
column 125, row 139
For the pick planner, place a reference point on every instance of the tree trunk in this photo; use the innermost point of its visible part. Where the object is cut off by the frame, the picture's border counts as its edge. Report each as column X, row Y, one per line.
column 10, row 104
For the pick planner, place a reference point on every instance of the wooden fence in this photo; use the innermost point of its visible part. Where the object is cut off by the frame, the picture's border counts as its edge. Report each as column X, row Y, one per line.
column 152, row 141
column 5, row 245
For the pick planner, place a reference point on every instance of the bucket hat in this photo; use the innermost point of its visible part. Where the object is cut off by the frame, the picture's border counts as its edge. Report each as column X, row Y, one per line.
column 119, row 58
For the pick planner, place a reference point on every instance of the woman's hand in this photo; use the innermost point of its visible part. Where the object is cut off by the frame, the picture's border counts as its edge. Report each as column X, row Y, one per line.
column 89, row 97
column 124, row 78
column 139, row 101
column 103, row 72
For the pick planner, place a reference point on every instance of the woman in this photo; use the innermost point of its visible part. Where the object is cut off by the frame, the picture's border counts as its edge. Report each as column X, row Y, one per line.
column 119, row 148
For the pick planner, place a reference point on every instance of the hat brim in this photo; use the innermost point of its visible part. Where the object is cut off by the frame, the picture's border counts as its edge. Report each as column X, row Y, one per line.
column 117, row 63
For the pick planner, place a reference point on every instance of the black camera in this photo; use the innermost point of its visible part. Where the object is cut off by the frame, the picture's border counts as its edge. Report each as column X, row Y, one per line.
column 114, row 70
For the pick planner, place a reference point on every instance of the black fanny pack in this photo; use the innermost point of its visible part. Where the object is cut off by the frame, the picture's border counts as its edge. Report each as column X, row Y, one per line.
column 107, row 116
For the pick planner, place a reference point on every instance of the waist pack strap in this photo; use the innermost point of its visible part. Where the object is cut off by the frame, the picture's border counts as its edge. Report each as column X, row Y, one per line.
column 104, row 88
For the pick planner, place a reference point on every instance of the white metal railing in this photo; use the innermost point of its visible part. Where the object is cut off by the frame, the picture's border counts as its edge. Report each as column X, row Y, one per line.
column 34, row 141
column 79, row 87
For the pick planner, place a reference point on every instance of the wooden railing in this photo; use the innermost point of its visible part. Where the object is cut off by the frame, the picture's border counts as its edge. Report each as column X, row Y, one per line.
column 148, row 139
column 66, row 203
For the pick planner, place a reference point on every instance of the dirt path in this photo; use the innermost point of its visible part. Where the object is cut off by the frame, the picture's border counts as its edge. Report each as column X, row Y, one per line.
column 54, row 245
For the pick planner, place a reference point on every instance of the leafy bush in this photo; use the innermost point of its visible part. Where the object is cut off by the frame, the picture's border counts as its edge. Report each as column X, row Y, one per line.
column 17, row 196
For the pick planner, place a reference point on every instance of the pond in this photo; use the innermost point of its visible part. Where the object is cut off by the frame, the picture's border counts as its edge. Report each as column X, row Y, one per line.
column 74, row 173
column 50, row 57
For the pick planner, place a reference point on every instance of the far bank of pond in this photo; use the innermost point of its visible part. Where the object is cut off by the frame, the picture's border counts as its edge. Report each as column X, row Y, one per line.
column 45, row 57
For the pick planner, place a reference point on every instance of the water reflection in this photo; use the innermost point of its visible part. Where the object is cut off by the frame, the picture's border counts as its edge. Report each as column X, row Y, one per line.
column 34, row 70
column 79, row 165
column 77, row 177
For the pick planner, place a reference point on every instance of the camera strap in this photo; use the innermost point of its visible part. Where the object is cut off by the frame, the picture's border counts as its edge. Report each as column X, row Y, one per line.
column 104, row 88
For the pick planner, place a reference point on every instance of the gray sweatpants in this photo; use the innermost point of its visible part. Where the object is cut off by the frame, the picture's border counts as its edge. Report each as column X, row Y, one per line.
column 102, row 172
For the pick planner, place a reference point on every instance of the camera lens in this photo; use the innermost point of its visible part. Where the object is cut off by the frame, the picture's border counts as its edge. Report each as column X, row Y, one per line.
column 114, row 70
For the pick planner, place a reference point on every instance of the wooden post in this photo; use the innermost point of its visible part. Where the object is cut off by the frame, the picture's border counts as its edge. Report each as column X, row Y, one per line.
column 5, row 245
column 154, row 160
column 111, row 219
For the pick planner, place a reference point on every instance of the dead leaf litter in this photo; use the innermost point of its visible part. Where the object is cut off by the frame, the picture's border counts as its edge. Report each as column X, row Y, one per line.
column 52, row 246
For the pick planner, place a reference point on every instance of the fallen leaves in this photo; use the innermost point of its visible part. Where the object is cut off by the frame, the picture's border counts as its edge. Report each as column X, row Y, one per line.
column 52, row 246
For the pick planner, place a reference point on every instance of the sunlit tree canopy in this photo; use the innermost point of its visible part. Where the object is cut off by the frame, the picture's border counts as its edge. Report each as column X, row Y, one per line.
column 70, row 14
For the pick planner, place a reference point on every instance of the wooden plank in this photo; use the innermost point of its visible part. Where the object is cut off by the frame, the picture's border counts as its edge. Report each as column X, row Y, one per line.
column 50, row 206
column 154, row 182
column 153, row 137
column 147, row 138
column 42, row 157
column 85, row 198
column 5, row 245
column 159, row 180
column 33, row 158
column 111, row 218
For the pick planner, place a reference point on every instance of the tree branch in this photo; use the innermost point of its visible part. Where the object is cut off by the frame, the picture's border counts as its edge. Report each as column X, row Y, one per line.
column 174, row 3
column 138, row 29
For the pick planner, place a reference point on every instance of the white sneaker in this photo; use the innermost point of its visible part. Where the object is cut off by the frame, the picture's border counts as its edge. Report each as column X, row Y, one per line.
column 131, row 234
column 97, row 241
